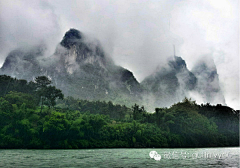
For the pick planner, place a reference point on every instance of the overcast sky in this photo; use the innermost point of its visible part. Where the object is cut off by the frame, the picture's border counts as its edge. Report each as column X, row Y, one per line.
column 137, row 34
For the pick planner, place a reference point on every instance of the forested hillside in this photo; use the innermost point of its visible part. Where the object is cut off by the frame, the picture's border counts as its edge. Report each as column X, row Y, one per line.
column 36, row 115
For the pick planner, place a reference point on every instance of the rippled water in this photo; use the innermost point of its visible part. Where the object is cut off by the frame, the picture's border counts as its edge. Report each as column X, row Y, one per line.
column 194, row 157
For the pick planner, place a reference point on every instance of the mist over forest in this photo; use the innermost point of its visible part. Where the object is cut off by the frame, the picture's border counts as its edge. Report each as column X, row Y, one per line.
column 103, row 74
column 36, row 115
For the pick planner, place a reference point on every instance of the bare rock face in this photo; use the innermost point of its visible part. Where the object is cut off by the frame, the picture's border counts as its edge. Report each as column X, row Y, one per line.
column 81, row 48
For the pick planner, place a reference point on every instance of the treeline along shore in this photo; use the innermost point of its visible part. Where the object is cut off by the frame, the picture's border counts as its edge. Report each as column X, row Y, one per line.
column 35, row 115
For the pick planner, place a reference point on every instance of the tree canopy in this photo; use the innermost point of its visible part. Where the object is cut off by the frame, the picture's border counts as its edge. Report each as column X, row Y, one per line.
column 74, row 123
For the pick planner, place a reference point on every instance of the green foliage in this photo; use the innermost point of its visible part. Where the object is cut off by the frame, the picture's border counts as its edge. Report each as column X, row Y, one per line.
column 42, row 82
column 47, row 94
column 8, row 84
column 77, row 123
column 95, row 107
column 19, row 98
column 51, row 94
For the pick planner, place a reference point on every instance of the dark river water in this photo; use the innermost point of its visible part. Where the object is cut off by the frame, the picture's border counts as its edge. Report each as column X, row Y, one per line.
column 193, row 157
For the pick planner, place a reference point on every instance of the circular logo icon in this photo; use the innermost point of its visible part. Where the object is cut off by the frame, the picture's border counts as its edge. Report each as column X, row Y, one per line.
column 155, row 155
column 152, row 153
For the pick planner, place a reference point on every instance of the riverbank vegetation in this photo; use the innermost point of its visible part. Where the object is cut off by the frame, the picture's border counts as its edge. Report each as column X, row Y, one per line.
column 36, row 115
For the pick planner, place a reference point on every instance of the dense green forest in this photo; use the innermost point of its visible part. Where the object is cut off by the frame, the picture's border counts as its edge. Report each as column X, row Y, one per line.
column 36, row 115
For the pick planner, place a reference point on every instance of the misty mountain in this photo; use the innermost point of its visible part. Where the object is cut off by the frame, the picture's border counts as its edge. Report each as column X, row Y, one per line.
column 80, row 68
column 24, row 63
column 208, row 82
column 169, row 83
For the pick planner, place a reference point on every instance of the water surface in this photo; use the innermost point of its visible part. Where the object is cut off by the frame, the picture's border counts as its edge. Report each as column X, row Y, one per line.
column 194, row 157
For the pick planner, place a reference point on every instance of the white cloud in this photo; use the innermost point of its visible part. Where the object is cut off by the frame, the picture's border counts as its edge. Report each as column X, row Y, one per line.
column 137, row 34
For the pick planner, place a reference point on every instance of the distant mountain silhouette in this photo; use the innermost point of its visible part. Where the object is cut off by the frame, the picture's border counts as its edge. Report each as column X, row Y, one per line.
column 80, row 68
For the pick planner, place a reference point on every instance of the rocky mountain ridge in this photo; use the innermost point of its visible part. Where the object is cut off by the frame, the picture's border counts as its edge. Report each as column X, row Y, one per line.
column 80, row 68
